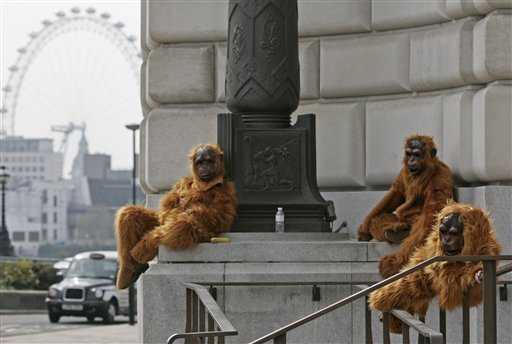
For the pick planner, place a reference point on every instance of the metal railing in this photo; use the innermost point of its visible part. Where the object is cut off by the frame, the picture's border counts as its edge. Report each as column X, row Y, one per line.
column 426, row 335
column 489, row 298
column 205, row 319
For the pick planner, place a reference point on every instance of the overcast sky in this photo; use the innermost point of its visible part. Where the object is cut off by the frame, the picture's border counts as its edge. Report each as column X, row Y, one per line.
column 79, row 76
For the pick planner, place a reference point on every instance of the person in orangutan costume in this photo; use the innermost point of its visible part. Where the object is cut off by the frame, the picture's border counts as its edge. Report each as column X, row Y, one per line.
column 198, row 207
column 406, row 213
column 459, row 229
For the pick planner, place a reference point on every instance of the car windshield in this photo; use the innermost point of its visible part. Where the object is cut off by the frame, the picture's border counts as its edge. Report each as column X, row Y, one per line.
column 92, row 268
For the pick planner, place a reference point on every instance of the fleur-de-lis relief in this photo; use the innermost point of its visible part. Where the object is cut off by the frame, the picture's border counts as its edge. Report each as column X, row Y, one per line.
column 238, row 43
column 271, row 39
column 250, row 68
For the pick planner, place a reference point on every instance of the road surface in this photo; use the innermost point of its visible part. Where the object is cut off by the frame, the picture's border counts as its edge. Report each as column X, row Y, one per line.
column 36, row 329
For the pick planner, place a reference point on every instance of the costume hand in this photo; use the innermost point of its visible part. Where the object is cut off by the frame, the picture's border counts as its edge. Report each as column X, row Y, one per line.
column 479, row 276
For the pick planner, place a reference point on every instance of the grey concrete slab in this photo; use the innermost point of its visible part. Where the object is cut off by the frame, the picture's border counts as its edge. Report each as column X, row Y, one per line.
column 378, row 249
column 270, row 251
column 288, row 272
column 363, row 272
column 259, row 310
column 498, row 202
column 161, row 297
column 452, row 63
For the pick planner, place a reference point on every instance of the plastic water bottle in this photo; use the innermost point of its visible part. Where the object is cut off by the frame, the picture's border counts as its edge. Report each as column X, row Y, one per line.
column 280, row 220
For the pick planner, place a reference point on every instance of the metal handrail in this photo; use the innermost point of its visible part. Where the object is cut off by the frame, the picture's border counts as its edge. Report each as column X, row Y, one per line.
column 215, row 314
column 504, row 269
column 279, row 335
column 434, row 336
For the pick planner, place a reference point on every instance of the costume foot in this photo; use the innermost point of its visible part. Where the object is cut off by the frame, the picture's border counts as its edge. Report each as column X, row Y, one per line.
column 143, row 252
column 361, row 236
column 396, row 237
column 128, row 274
column 395, row 325
column 389, row 265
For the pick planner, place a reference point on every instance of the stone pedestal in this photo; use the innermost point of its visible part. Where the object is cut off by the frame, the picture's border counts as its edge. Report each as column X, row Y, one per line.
column 261, row 257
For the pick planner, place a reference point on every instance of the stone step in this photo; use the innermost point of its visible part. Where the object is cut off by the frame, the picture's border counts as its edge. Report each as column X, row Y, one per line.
column 280, row 247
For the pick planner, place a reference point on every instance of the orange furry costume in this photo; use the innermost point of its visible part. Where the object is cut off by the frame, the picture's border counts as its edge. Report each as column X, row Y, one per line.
column 447, row 280
column 409, row 207
column 193, row 211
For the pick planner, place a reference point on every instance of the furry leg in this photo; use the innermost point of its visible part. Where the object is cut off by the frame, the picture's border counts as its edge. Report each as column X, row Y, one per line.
column 392, row 263
column 131, row 223
column 181, row 232
column 384, row 223
column 411, row 293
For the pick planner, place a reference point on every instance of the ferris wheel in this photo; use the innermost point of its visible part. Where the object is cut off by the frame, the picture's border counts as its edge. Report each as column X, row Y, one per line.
column 75, row 20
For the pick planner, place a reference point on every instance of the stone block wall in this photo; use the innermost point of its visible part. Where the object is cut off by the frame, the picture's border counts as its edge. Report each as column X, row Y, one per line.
column 373, row 71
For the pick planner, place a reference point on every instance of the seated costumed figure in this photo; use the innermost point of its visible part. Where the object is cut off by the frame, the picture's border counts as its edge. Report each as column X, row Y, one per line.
column 406, row 213
column 197, row 208
column 459, row 229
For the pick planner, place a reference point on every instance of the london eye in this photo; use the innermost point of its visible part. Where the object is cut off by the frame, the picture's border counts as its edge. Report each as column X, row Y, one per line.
column 78, row 65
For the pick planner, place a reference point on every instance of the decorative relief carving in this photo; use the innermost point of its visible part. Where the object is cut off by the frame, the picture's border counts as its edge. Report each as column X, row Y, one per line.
column 271, row 167
column 238, row 42
column 271, row 41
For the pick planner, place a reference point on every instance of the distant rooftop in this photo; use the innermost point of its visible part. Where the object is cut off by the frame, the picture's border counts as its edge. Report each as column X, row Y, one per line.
column 112, row 193
column 20, row 144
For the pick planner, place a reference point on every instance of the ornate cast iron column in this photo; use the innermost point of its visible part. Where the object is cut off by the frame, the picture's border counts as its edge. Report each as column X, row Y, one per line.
column 271, row 162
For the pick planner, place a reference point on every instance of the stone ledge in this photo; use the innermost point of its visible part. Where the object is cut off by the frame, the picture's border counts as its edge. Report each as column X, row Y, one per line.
column 271, row 247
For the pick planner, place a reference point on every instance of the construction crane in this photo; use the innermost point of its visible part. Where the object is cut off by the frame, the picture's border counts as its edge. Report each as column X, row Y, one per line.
column 66, row 130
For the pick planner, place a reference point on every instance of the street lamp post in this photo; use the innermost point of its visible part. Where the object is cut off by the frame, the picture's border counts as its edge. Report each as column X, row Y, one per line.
column 131, row 290
column 6, row 248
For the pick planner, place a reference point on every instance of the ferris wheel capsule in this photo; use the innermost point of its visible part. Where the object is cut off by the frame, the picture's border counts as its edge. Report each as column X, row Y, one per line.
column 119, row 25
column 22, row 50
column 105, row 15
column 7, row 89
column 60, row 14
column 13, row 68
column 90, row 10
column 132, row 38
column 46, row 22
column 75, row 10
column 33, row 35
column 3, row 110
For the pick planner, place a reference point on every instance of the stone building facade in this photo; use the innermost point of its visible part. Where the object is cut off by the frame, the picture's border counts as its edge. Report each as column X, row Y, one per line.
column 373, row 72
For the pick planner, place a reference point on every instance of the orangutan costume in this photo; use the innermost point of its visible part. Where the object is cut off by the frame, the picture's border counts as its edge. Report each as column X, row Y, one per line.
column 460, row 229
column 197, row 208
column 407, row 211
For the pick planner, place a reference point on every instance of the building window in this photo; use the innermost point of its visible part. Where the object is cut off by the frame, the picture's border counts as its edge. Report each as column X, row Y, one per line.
column 41, row 168
column 44, row 197
column 54, row 234
column 18, row 236
column 44, row 218
column 55, row 218
column 55, row 202
column 33, row 236
column 44, row 233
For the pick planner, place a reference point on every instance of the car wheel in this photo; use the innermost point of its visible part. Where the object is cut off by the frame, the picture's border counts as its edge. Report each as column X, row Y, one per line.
column 90, row 318
column 54, row 317
column 110, row 314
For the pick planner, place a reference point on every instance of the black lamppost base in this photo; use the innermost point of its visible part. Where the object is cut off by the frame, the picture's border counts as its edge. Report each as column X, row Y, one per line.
column 271, row 168
column 6, row 248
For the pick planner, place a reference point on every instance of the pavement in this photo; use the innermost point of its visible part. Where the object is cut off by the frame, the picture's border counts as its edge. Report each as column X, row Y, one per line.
column 36, row 329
